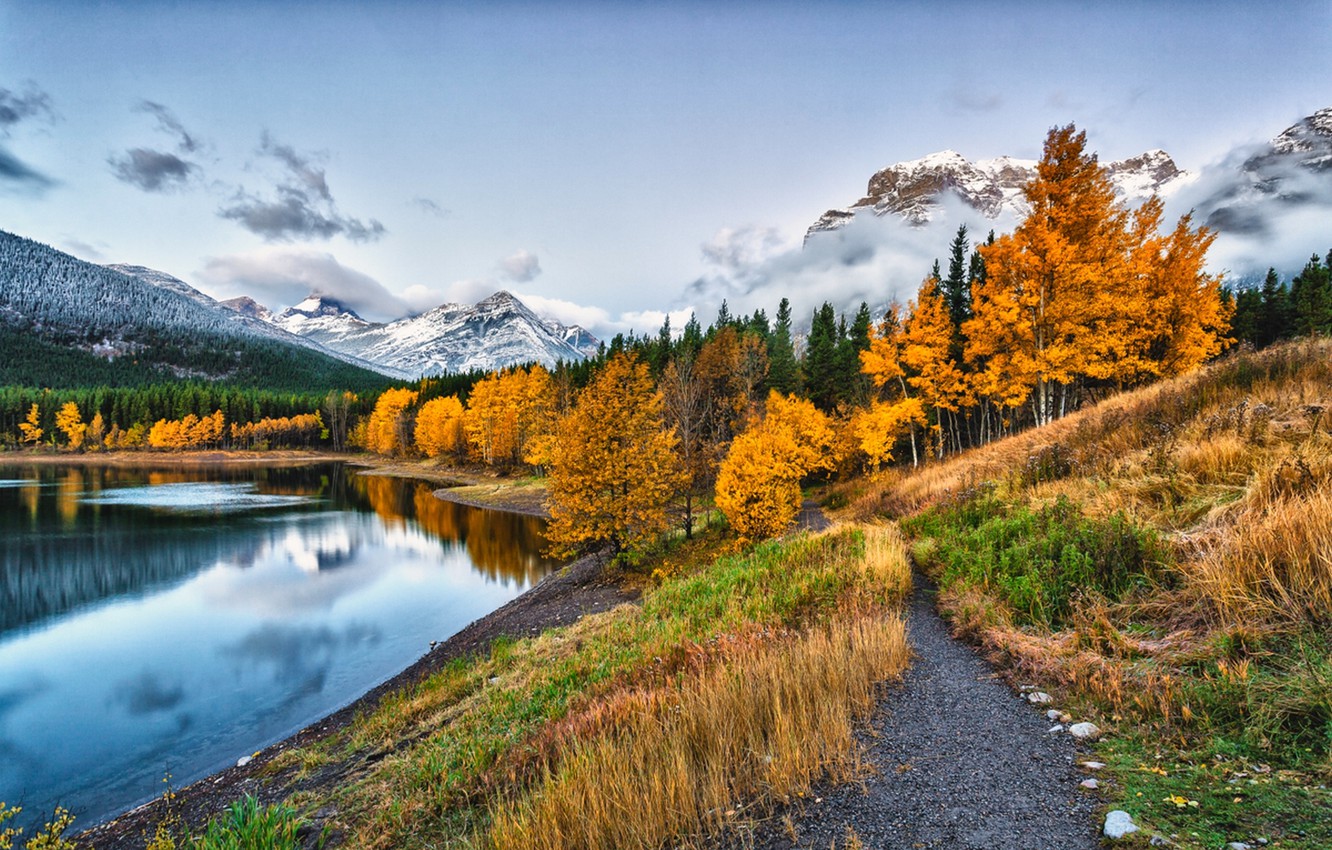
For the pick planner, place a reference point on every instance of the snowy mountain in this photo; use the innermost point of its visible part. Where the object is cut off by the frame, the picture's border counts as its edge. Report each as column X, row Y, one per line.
column 245, row 312
column 497, row 332
column 61, row 317
column 990, row 186
column 1292, row 170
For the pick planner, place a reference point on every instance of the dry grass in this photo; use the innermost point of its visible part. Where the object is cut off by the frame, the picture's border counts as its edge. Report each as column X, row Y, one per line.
column 690, row 761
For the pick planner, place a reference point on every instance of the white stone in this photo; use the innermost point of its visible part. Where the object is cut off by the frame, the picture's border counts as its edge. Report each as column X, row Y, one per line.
column 1118, row 824
column 1059, row 727
column 244, row 760
column 1054, row 714
column 1084, row 731
column 1093, row 765
column 1090, row 784
column 1039, row 698
column 1237, row 845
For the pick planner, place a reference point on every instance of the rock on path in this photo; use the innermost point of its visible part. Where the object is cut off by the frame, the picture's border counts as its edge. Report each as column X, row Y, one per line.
column 962, row 763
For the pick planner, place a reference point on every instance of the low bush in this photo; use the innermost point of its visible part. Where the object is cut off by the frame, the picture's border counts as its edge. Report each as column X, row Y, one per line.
column 1038, row 561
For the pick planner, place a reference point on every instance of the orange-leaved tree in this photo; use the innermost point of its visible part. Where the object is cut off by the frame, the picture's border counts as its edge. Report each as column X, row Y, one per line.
column 758, row 485
column 613, row 464
column 31, row 428
column 927, row 342
column 439, row 427
column 387, row 430
column 70, row 422
column 893, row 411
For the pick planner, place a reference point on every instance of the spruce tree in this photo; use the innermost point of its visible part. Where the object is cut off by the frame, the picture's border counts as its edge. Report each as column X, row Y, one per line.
column 783, row 371
column 821, row 362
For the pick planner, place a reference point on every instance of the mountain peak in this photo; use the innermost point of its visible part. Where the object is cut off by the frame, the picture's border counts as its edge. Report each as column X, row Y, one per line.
column 913, row 189
column 318, row 304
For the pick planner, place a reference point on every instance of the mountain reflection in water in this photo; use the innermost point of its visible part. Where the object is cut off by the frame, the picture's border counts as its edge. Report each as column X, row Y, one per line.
column 173, row 619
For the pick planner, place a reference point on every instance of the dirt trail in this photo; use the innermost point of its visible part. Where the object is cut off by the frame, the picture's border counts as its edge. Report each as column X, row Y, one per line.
column 962, row 763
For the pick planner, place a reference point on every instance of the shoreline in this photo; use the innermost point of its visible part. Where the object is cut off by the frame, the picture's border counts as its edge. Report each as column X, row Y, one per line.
column 559, row 599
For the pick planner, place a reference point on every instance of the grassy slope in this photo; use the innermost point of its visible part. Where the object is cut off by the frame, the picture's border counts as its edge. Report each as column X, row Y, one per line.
column 1163, row 561
column 651, row 709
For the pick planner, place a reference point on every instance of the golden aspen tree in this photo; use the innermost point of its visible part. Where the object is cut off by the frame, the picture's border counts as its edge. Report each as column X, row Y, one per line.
column 878, row 427
column 927, row 352
column 69, row 421
column 1168, row 315
column 537, row 403
column 386, row 422
column 894, row 411
column 439, row 426
column 758, row 484
column 30, row 429
column 1034, row 317
column 613, row 469
column 96, row 432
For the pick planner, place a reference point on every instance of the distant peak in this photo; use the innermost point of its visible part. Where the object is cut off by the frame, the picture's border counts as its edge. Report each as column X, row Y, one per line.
column 503, row 296
column 318, row 304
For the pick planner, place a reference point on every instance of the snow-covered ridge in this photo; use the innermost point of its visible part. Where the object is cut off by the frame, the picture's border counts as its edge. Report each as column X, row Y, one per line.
column 496, row 332
column 913, row 189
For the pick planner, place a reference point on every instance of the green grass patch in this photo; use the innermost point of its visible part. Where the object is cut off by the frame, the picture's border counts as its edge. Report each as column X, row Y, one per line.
column 1205, row 796
column 1037, row 561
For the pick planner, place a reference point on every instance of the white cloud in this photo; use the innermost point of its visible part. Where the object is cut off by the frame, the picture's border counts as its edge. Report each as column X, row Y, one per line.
column 520, row 267
column 280, row 277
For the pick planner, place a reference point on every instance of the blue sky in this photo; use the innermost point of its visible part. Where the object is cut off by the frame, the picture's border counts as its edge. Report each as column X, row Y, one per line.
column 580, row 154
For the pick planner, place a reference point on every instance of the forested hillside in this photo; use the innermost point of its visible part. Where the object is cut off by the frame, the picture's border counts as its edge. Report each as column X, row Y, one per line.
column 67, row 323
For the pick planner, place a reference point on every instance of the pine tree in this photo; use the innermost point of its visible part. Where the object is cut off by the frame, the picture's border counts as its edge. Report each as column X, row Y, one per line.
column 783, row 370
column 821, row 365
column 957, row 286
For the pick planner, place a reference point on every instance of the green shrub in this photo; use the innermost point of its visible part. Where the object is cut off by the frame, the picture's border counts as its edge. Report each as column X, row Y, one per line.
column 1038, row 562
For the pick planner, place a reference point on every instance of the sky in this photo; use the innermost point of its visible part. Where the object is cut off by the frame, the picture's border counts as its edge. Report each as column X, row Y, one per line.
column 606, row 161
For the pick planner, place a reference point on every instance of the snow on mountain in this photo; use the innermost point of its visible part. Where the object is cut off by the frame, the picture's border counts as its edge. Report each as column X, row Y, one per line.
column 322, row 319
column 245, row 315
column 247, row 306
column 162, row 280
column 492, row 334
column 577, row 336
column 1292, row 170
column 990, row 186
column 1308, row 142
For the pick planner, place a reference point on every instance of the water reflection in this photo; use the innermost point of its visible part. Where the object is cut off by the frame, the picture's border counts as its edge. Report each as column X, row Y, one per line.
column 173, row 619
column 67, row 540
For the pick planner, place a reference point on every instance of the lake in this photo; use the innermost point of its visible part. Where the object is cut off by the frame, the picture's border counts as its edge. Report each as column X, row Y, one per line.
column 169, row 621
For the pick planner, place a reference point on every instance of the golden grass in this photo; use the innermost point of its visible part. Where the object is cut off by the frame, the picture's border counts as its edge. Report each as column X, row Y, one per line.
column 1275, row 563
column 688, row 761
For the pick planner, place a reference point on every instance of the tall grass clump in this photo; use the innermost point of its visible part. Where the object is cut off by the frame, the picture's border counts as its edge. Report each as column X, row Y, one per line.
column 1039, row 561
column 748, row 654
column 687, row 762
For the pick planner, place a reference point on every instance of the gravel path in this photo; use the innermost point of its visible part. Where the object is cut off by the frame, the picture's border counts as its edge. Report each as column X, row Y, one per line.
column 962, row 763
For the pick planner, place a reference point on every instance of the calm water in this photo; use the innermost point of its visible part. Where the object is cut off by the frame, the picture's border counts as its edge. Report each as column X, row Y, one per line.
column 172, row 621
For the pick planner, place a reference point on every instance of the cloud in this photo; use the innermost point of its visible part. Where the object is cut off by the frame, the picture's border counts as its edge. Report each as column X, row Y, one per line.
column 734, row 249
column 520, row 267
column 16, row 108
column 150, row 170
column 877, row 260
column 303, row 207
column 1266, row 210
column 155, row 170
column 167, row 122
column 281, row 277
column 84, row 251
column 18, row 175
column 429, row 207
